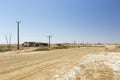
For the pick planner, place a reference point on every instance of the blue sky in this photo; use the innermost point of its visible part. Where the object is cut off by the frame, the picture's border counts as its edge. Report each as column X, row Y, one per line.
column 66, row 20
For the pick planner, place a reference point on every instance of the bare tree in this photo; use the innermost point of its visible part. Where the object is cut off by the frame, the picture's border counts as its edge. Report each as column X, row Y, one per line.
column 8, row 40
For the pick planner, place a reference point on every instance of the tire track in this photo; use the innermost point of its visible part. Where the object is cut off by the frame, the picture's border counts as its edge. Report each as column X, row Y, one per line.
column 20, row 67
column 44, row 67
column 9, row 71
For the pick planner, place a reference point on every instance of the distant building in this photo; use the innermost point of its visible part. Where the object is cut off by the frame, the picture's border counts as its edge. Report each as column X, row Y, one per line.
column 34, row 44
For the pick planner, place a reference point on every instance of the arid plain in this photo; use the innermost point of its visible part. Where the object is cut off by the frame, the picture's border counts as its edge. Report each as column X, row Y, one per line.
column 60, row 64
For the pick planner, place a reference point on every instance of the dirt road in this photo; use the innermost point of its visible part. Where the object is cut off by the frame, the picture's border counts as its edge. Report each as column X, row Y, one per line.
column 41, row 65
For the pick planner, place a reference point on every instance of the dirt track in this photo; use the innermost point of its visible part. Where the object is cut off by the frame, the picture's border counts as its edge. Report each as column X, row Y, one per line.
column 43, row 65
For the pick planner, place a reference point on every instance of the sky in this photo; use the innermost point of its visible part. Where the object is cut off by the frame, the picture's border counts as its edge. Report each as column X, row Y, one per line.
column 88, row 21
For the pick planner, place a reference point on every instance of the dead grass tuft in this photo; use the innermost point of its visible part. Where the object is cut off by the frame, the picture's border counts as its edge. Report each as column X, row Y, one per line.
column 96, row 71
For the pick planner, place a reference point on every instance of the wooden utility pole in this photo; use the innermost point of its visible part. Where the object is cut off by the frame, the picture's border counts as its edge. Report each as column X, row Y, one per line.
column 49, row 36
column 74, row 44
column 18, row 45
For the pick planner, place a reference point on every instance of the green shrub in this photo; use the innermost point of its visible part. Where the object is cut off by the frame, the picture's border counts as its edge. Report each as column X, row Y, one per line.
column 42, row 49
column 61, row 47
column 3, row 50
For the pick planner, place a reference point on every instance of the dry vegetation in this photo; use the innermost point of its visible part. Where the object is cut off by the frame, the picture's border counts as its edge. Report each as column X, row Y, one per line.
column 59, row 63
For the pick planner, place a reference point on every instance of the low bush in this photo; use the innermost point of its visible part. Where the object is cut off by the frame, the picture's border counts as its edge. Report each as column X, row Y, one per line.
column 4, row 50
column 42, row 49
column 61, row 47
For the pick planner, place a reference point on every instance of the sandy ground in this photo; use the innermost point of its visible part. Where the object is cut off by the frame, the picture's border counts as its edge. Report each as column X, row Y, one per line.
column 63, row 64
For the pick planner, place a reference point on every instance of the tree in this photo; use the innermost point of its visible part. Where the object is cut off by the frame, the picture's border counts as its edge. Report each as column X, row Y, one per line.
column 8, row 40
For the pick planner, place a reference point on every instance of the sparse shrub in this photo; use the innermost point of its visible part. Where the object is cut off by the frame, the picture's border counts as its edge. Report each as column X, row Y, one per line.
column 61, row 47
column 111, row 50
column 42, row 49
column 106, row 49
column 4, row 49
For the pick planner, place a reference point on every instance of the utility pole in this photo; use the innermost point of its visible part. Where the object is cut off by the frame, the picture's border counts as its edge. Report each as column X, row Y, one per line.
column 49, row 36
column 18, row 45
column 74, row 43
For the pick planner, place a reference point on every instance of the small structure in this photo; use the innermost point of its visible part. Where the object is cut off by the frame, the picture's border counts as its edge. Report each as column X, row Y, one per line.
column 34, row 44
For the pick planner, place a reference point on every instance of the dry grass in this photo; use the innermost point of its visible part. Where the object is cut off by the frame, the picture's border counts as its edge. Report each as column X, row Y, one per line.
column 96, row 71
